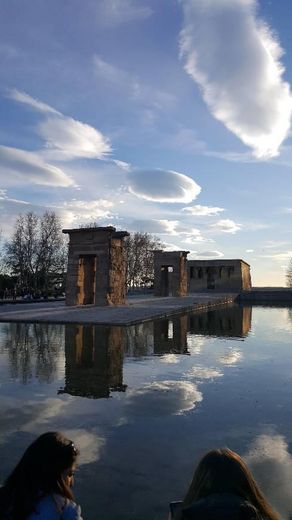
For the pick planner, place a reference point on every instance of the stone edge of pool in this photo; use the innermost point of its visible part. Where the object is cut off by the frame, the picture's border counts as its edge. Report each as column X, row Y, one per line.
column 137, row 310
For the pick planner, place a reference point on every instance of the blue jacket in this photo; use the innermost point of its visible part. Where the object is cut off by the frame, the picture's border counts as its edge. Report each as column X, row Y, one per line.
column 56, row 507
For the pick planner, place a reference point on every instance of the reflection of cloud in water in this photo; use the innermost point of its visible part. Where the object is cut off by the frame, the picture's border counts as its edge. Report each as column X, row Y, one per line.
column 196, row 343
column 163, row 398
column 230, row 356
column 49, row 408
column 89, row 444
column 203, row 372
column 170, row 358
column 271, row 463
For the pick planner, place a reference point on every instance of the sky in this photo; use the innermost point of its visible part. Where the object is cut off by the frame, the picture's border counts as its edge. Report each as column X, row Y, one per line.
column 171, row 117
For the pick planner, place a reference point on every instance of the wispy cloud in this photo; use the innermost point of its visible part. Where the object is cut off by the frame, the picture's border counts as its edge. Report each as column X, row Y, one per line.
column 117, row 12
column 132, row 87
column 163, row 186
column 26, row 99
column 209, row 254
column 65, row 138
column 203, row 211
column 30, row 167
column 226, row 226
column 4, row 196
column 241, row 83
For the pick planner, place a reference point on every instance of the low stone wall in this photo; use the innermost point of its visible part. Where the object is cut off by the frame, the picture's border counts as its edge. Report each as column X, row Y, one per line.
column 267, row 295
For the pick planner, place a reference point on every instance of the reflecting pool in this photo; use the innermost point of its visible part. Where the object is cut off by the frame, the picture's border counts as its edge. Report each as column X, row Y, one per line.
column 143, row 403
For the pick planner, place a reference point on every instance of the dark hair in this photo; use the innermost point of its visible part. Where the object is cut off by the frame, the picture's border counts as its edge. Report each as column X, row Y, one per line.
column 224, row 471
column 38, row 473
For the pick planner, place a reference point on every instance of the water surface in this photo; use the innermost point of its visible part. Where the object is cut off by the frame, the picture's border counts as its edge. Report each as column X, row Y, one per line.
column 145, row 402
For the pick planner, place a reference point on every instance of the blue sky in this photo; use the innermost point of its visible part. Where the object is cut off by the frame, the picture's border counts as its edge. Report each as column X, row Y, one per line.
column 166, row 116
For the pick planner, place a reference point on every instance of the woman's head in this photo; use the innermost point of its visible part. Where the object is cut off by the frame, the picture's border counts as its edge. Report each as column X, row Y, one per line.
column 224, row 471
column 46, row 467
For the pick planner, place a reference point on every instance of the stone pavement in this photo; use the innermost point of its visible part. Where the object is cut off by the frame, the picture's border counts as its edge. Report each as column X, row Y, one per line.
column 135, row 311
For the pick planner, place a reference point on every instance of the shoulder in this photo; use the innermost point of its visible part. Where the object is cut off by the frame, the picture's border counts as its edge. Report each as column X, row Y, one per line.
column 223, row 506
column 54, row 507
column 71, row 511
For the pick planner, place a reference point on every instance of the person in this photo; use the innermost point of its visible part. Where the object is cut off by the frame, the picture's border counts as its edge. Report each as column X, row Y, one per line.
column 40, row 486
column 223, row 488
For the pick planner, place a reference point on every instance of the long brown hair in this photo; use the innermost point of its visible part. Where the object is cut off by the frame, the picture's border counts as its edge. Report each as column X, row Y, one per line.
column 38, row 473
column 224, row 471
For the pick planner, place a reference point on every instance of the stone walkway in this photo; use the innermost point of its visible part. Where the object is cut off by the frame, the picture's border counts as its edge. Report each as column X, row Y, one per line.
column 136, row 310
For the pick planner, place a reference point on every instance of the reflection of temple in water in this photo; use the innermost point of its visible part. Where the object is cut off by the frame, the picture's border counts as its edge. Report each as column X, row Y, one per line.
column 94, row 354
column 94, row 360
column 164, row 336
column 170, row 336
column 233, row 321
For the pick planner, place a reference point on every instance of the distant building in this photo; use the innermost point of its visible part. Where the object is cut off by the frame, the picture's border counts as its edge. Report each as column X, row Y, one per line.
column 218, row 275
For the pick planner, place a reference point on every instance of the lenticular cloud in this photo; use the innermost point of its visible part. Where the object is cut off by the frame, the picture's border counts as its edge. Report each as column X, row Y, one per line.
column 235, row 59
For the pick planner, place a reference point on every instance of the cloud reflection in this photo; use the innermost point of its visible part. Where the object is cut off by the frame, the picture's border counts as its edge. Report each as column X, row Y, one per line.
column 203, row 372
column 230, row 356
column 271, row 463
column 89, row 444
column 164, row 398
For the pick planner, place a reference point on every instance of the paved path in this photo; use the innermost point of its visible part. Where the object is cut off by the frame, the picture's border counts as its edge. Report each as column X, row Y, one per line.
column 136, row 310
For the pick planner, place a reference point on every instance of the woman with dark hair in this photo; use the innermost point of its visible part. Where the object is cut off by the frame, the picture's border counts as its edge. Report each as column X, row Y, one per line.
column 223, row 488
column 39, row 488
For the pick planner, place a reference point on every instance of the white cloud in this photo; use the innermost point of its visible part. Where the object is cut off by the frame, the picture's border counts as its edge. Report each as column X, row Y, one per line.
column 89, row 444
column 26, row 99
column 249, row 250
column 235, row 59
column 203, row 211
column 195, row 239
column 164, row 398
column 210, row 254
column 201, row 372
column 269, row 455
column 123, row 165
column 231, row 356
column 30, row 167
column 84, row 210
column 171, row 359
column 226, row 226
column 4, row 196
column 163, row 186
column 66, row 138
column 117, row 12
column 163, row 227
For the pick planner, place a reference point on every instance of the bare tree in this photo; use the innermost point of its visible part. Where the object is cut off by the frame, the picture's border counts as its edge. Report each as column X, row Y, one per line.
column 36, row 253
column 289, row 274
column 139, row 250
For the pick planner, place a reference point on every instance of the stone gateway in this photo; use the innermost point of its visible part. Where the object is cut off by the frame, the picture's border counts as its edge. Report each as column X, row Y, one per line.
column 96, row 273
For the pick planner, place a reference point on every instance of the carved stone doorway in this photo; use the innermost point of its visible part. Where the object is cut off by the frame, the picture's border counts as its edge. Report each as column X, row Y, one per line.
column 86, row 279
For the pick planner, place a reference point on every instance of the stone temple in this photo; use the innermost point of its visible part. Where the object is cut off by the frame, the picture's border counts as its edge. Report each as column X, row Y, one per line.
column 96, row 272
column 170, row 273
column 218, row 275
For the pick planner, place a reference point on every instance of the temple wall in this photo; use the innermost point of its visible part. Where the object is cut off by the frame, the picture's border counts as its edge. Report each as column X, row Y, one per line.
column 218, row 276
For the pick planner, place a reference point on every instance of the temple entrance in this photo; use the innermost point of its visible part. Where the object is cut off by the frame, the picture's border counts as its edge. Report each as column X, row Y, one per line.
column 166, row 279
column 211, row 274
column 86, row 279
